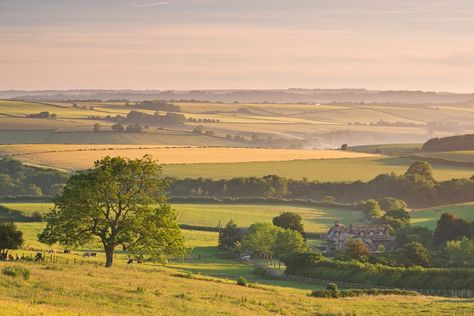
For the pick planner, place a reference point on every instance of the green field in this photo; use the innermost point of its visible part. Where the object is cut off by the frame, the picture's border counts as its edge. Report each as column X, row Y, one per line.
column 428, row 217
column 458, row 156
column 322, row 170
column 388, row 148
column 315, row 219
column 152, row 289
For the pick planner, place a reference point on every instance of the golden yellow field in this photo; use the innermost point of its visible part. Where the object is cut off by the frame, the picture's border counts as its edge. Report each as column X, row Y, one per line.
column 73, row 157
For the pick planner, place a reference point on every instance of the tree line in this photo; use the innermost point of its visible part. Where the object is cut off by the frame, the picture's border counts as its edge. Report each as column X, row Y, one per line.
column 451, row 143
column 417, row 187
column 17, row 179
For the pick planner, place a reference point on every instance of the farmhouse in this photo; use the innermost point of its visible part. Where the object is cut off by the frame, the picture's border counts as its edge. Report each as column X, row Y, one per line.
column 373, row 236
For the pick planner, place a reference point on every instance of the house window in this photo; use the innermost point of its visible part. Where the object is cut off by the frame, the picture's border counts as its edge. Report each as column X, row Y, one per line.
column 371, row 233
column 381, row 232
column 361, row 234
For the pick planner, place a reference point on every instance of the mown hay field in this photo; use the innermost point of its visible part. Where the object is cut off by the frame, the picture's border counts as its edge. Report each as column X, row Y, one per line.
column 339, row 170
column 80, row 157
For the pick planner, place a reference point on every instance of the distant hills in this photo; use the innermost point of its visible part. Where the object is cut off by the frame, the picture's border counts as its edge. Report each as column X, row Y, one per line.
column 247, row 96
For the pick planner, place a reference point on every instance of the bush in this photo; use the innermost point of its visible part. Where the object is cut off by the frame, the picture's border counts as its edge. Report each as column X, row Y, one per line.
column 16, row 271
column 332, row 287
column 328, row 293
column 242, row 281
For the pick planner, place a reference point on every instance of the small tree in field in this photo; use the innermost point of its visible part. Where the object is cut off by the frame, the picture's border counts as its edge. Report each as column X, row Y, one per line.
column 10, row 238
column 116, row 202
column 230, row 235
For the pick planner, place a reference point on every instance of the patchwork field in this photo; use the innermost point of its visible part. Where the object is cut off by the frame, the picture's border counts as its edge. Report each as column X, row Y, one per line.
column 321, row 125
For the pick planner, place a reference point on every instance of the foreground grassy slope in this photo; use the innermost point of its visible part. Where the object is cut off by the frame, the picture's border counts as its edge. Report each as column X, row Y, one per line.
column 55, row 289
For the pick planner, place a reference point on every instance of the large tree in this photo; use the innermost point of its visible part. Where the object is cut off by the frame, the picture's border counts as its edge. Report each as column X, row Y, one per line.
column 121, row 202
column 288, row 242
column 260, row 239
column 420, row 171
column 289, row 220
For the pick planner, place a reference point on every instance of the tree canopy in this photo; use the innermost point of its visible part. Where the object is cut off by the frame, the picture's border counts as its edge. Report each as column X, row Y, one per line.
column 230, row 235
column 420, row 171
column 121, row 202
column 290, row 220
column 356, row 249
column 414, row 254
column 10, row 238
column 450, row 227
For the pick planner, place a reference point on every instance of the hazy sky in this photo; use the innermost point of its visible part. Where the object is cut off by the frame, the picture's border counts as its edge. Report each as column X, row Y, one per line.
column 216, row 44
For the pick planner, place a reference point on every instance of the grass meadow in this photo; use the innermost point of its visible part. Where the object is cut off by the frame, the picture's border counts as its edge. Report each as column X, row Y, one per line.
column 68, row 289
column 203, row 284
column 315, row 219
column 429, row 216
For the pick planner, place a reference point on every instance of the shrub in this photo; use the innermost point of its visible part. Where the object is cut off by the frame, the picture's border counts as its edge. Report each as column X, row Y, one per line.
column 16, row 271
column 332, row 287
column 242, row 281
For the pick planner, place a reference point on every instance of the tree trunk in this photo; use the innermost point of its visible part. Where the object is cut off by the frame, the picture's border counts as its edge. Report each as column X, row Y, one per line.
column 109, row 256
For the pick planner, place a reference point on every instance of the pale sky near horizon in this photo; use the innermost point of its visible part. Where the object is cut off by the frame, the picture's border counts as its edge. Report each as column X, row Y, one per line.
column 241, row 44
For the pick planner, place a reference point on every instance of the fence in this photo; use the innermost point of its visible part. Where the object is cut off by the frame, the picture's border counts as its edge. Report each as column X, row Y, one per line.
column 348, row 285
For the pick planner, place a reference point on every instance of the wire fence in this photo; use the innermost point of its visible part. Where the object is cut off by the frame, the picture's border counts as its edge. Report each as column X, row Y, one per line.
column 348, row 285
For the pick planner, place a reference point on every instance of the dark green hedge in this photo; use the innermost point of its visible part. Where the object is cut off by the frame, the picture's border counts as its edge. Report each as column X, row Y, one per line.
column 314, row 266
column 361, row 292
